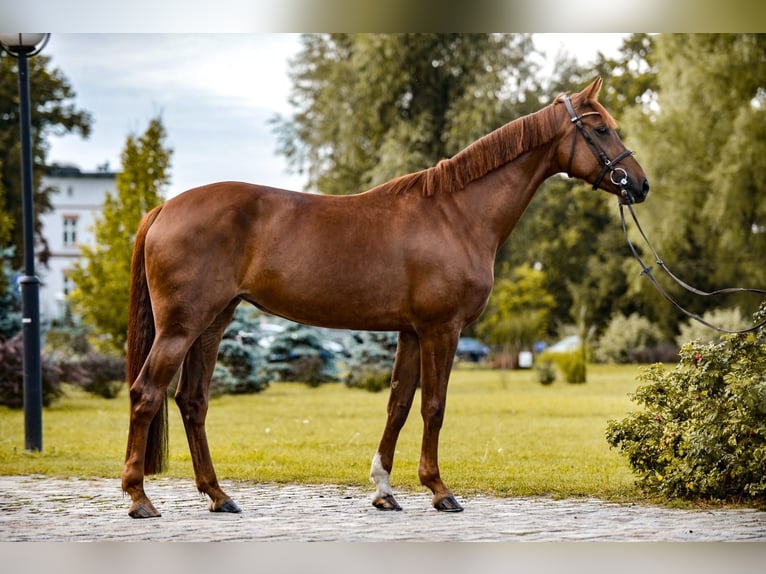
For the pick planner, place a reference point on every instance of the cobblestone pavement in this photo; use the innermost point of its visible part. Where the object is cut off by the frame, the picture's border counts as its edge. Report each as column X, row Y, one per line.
column 36, row 508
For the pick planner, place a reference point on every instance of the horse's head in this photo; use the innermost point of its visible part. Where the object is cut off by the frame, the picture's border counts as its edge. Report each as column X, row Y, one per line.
column 594, row 152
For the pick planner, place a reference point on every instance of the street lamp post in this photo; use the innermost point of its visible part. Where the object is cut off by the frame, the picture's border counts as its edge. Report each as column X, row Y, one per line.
column 22, row 47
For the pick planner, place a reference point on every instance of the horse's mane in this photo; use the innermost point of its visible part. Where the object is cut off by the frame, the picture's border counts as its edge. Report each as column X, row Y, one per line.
column 484, row 155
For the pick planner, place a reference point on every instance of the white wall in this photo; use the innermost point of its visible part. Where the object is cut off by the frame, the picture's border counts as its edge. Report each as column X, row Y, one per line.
column 80, row 197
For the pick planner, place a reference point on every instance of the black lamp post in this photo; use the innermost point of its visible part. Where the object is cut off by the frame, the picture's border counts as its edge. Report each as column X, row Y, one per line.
column 22, row 47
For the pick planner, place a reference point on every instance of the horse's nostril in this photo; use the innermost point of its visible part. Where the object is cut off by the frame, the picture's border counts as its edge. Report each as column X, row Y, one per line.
column 645, row 186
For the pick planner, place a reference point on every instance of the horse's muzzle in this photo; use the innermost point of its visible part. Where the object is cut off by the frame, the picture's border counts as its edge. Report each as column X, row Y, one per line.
column 635, row 194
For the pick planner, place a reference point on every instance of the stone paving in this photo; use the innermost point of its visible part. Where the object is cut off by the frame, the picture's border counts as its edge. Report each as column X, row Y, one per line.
column 34, row 508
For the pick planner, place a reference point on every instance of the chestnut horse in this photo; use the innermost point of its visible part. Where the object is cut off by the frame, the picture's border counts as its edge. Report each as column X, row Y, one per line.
column 414, row 255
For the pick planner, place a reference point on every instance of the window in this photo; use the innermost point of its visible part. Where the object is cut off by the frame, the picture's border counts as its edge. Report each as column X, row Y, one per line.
column 67, row 284
column 70, row 230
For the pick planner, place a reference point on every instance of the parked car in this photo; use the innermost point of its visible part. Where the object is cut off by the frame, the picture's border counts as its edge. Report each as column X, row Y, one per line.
column 565, row 345
column 469, row 349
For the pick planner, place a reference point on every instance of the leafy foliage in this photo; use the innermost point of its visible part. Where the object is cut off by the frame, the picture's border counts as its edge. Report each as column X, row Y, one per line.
column 102, row 375
column 68, row 347
column 701, row 142
column 297, row 355
column 102, row 276
column 371, row 361
column 702, row 431
column 518, row 310
column 692, row 330
column 10, row 297
column 370, row 107
column 240, row 368
column 625, row 339
column 12, row 375
column 571, row 364
column 52, row 112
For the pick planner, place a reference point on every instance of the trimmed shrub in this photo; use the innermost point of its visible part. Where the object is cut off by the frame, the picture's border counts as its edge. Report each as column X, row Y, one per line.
column 12, row 375
column 240, row 369
column 102, row 375
column 692, row 330
column 702, row 431
column 223, row 382
column 626, row 339
column 371, row 361
column 546, row 372
column 571, row 364
column 297, row 355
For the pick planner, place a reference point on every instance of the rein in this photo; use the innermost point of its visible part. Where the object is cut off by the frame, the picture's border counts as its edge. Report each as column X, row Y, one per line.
column 622, row 181
column 647, row 271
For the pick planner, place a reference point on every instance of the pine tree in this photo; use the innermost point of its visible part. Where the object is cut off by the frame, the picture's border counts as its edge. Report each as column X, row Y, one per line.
column 102, row 277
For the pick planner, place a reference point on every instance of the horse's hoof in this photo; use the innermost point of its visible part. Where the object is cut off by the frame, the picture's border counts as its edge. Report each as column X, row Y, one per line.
column 387, row 502
column 227, row 506
column 448, row 504
column 145, row 510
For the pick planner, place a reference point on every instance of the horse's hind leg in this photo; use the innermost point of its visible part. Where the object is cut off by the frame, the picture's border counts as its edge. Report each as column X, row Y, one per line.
column 192, row 400
column 148, row 393
column 404, row 380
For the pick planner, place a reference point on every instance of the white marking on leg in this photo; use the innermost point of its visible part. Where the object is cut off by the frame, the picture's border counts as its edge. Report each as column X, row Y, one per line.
column 380, row 477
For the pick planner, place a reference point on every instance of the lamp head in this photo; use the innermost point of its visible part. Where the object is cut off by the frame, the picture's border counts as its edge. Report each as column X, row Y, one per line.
column 29, row 44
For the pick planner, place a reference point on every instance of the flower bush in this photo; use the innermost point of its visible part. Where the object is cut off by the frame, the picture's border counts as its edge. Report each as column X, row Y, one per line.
column 702, row 431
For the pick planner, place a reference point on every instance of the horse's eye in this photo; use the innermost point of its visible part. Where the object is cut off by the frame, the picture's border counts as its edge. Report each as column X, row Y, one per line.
column 602, row 130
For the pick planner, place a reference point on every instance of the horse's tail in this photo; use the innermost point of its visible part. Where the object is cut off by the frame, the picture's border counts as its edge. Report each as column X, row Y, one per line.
column 140, row 338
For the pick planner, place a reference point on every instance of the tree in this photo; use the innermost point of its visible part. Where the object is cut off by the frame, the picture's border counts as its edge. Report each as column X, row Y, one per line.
column 102, row 277
column 10, row 297
column 573, row 234
column 53, row 112
column 371, row 107
column 702, row 142
column 518, row 309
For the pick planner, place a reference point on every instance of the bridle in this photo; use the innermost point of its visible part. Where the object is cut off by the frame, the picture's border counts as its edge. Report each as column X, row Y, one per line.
column 617, row 175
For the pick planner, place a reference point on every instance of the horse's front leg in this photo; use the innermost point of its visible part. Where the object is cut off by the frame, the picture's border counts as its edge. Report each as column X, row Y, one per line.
column 404, row 380
column 437, row 353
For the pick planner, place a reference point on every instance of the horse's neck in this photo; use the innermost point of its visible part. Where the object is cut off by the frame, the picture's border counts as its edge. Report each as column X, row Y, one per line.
column 499, row 199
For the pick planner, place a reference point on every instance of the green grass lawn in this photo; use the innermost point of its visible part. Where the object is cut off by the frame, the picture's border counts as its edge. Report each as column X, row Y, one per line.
column 504, row 434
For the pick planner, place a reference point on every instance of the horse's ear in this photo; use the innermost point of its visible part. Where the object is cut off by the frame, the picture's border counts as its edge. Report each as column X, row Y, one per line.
column 591, row 92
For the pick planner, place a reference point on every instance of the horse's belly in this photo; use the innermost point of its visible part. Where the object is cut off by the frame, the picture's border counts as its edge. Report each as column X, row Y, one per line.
column 337, row 301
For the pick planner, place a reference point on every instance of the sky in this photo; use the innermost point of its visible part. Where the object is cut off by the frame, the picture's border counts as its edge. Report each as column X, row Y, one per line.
column 215, row 94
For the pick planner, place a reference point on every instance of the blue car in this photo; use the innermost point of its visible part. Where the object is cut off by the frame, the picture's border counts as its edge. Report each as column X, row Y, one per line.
column 469, row 349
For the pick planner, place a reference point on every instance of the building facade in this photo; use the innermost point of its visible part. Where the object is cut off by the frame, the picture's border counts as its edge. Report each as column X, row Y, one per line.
column 78, row 200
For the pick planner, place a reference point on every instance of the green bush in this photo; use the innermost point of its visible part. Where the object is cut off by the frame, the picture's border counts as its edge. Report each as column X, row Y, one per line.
column 692, row 330
column 12, row 375
column 702, row 431
column 102, row 375
column 10, row 297
column 546, row 372
column 626, row 339
column 571, row 364
column 371, row 361
column 239, row 368
column 222, row 382
column 298, row 355
column 69, row 348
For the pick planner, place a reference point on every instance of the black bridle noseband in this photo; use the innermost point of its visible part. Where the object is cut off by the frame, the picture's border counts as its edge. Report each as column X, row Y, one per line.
column 607, row 165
